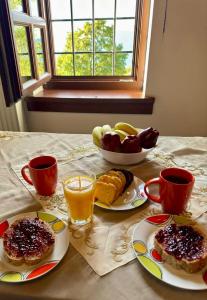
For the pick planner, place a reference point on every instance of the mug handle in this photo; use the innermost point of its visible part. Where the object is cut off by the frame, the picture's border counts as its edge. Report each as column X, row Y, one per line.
column 24, row 175
column 152, row 197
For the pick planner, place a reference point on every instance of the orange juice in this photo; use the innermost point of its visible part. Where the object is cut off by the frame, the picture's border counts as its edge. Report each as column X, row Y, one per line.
column 78, row 191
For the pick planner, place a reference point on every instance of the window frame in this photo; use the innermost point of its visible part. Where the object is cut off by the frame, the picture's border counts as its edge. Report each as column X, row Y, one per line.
column 106, row 82
column 100, row 87
column 25, row 19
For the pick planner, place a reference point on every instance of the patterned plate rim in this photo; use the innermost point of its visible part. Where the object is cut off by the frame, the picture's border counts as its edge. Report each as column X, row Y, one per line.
column 46, row 263
column 143, row 251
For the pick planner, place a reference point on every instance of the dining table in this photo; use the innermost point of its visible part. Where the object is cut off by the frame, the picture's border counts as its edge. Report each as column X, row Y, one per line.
column 100, row 262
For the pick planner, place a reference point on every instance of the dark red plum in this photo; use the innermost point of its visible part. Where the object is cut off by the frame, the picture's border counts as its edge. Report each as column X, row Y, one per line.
column 148, row 138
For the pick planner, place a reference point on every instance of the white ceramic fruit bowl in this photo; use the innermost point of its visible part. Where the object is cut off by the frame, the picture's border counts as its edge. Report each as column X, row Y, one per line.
column 125, row 158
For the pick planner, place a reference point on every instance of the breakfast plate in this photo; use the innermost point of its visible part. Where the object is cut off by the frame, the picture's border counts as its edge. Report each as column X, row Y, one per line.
column 132, row 198
column 149, row 258
column 22, row 273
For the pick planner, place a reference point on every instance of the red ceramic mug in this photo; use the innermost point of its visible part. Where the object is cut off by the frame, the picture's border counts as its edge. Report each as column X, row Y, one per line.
column 43, row 174
column 175, row 187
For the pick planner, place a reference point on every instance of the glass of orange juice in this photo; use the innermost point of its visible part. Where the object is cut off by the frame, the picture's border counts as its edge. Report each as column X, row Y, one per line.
column 79, row 191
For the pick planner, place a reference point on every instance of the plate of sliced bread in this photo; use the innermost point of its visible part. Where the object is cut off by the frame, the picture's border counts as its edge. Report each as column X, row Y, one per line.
column 173, row 249
column 119, row 189
column 31, row 245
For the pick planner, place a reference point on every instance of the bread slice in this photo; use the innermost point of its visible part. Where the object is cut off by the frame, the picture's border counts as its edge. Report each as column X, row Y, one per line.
column 182, row 246
column 28, row 240
column 114, row 180
column 111, row 185
column 120, row 175
column 128, row 176
column 105, row 192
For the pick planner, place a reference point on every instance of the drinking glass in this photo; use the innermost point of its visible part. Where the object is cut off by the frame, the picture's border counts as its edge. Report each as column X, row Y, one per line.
column 79, row 194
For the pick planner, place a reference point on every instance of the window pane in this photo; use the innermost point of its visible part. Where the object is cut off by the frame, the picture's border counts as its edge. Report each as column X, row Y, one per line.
column 124, row 35
column 38, row 40
column 34, row 8
column 126, row 8
column 62, row 36
column 60, row 9
column 83, row 64
column 41, row 64
column 16, row 5
column 82, row 9
column 21, row 41
column 104, row 9
column 103, row 64
column 103, row 35
column 38, row 44
column 83, row 36
column 25, row 67
column 64, row 64
column 123, row 64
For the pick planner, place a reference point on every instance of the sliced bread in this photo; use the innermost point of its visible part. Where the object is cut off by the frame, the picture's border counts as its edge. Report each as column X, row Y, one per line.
column 105, row 192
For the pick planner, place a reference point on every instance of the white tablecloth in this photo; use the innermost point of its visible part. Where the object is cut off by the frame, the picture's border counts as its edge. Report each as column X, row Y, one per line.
column 74, row 278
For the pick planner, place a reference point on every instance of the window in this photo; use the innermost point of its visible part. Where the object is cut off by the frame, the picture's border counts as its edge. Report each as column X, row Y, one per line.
column 71, row 44
column 97, row 37
column 100, row 40
column 30, row 42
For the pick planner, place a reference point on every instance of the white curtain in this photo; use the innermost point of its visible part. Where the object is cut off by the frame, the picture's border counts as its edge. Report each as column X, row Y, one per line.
column 8, row 115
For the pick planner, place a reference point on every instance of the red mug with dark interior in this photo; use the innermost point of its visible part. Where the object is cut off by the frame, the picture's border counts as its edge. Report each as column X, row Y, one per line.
column 175, row 187
column 43, row 174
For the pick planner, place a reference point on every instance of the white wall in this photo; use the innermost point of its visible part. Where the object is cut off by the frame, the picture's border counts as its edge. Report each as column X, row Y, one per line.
column 177, row 77
column 177, row 74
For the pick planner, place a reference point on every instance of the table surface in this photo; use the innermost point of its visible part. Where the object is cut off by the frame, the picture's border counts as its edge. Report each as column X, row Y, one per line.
column 74, row 278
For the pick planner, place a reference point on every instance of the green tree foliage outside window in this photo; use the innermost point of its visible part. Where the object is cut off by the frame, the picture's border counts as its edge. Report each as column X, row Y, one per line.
column 23, row 52
column 103, row 62
column 84, row 62
column 39, row 51
column 16, row 5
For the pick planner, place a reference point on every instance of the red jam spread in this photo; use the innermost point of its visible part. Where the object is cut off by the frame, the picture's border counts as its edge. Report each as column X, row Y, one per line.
column 28, row 237
column 182, row 242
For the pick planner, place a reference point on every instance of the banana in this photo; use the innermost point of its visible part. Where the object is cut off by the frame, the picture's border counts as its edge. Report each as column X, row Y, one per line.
column 128, row 128
column 97, row 135
column 106, row 128
column 138, row 130
column 121, row 133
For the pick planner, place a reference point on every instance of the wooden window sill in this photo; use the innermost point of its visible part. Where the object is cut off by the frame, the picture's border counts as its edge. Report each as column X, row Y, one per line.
column 91, row 101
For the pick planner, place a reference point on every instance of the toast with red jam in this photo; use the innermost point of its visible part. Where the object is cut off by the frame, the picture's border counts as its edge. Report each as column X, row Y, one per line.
column 182, row 246
column 28, row 240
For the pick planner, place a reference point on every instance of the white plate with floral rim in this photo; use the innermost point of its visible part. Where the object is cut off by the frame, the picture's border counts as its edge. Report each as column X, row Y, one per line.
column 143, row 245
column 22, row 273
column 133, row 197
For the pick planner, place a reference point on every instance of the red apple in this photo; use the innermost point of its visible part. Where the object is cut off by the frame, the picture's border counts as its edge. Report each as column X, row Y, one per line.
column 111, row 142
column 148, row 137
column 131, row 144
